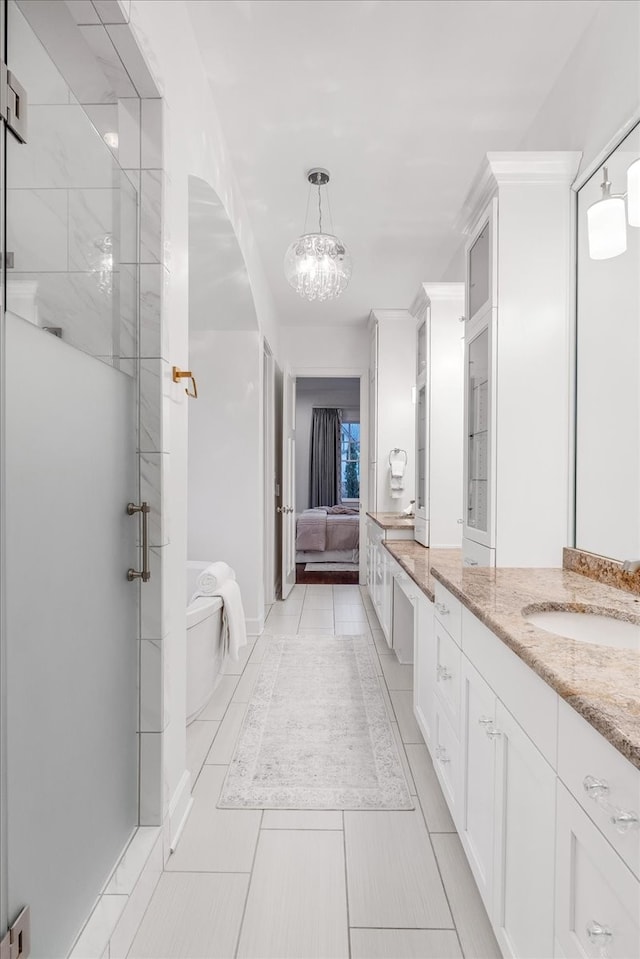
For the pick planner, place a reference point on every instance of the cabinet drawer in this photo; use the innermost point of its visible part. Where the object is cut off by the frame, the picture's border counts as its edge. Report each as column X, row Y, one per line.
column 447, row 674
column 596, row 895
column 446, row 757
column 448, row 611
column 585, row 758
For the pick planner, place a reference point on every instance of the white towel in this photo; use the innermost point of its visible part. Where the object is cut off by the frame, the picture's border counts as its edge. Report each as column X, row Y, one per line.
column 234, row 629
column 211, row 578
column 397, row 468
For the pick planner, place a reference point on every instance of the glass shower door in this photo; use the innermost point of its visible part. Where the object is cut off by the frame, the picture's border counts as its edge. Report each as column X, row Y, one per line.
column 72, row 618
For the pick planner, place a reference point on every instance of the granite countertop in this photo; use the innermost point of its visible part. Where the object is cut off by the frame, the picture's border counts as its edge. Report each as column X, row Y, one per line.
column 417, row 560
column 599, row 682
column 393, row 520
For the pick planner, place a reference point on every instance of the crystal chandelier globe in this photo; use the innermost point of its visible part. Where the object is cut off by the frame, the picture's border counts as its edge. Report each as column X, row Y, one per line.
column 318, row 265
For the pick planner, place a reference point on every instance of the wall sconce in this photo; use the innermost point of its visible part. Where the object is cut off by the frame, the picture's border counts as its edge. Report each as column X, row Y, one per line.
column 607, row 217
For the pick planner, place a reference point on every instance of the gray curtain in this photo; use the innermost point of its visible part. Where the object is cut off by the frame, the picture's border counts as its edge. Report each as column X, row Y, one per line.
column 324, row 474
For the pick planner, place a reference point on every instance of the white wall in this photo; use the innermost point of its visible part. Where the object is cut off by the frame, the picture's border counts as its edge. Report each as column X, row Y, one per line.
column 193, row 145
column 598, row 90
column 224, row 459
column 308, row 348
column 330, row 392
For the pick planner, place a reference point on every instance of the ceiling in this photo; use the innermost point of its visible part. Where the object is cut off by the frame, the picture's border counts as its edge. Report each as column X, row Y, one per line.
column 399, row 99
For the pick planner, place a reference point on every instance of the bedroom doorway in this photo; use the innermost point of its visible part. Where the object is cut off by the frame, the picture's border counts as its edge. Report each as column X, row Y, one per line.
column 327, row 479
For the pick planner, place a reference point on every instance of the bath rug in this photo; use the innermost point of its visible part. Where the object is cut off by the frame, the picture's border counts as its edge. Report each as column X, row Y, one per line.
column 331, row 568
column 316, row 734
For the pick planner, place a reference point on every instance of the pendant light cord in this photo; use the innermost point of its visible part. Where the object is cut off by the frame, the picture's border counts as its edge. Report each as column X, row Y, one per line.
column 319, row 210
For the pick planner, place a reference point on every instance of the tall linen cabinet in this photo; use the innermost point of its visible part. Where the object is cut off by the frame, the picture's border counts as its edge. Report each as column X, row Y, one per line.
column 517, row 360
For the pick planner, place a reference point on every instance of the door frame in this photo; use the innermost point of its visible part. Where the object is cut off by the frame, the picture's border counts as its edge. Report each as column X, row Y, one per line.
column 362, row 374
column 269, row 472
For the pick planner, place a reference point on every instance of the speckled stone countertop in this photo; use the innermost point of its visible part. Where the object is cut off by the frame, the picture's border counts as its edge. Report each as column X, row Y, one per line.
column 417, row 560
column 599, row 682
column 393, row 520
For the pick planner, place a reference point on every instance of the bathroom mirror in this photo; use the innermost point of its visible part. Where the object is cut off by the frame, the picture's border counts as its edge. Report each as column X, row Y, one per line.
column 607, row 491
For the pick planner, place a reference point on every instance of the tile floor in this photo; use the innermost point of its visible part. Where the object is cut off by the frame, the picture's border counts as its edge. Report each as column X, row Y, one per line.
column 282, row 884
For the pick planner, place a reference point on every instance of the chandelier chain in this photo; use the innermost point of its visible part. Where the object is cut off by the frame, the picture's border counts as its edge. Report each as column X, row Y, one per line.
column 319, row 210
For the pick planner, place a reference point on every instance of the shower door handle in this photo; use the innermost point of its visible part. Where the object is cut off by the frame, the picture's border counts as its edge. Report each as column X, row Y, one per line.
column 145, row 573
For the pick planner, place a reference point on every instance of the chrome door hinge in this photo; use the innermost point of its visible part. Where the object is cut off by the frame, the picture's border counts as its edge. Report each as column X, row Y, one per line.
column 13, row 103
column 17, row 942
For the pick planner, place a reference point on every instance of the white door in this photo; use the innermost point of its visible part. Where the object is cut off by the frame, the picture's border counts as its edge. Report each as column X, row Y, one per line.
column 288, row 499
column 71, row 630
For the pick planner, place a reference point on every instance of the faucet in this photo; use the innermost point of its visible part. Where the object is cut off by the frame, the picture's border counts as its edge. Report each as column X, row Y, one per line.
column 631, row 565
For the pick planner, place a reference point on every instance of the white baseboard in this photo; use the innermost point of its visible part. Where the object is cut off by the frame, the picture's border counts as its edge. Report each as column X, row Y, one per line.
column 255, row 626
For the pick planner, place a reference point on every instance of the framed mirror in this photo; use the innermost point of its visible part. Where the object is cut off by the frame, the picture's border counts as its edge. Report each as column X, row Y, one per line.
column 607, row 477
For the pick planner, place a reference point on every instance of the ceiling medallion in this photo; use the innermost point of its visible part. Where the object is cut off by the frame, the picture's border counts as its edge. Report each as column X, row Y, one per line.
column 318, row 265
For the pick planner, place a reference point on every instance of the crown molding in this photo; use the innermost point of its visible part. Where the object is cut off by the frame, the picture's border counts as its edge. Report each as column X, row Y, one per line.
column 434, row 291
column 519, row 166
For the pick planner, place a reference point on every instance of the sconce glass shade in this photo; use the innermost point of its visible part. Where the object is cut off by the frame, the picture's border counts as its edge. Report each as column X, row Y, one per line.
column 606, row 228
column 633, row 193
column 317, row 266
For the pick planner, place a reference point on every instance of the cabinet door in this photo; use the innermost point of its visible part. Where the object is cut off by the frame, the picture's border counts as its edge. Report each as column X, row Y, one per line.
column 481, row 266
column 524, row 843
column 387, row 596
column 478, row 763
column 597, row 897
column 424, row 667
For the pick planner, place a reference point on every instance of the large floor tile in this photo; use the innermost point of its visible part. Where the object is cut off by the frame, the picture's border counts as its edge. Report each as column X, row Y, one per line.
column 403, row 758
column 319, row 601
column 404, row 944
column 302, row 819
column 396, row 674
column 350, row 629
column 221, row 698
column 351, row 614
column 392, row 876
column 232, row 668
column 309, row 633
column 200, row 735
column 320, row 618
column 296, row 907
column 284, row 625
column 221, row 752
column 434, row 807
column 244, row 688
column 402, row 700
column 192, row 916
column 260, row 648
column 380, row 640
column 215, row 840
column 474, row 930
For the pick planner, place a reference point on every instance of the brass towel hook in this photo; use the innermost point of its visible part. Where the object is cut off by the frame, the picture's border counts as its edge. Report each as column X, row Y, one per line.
column 179, row 374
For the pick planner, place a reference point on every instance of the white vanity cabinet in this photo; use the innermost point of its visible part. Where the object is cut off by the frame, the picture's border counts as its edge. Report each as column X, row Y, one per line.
column 517, row 336
column 548, row 812
column 392, row 360
column 438, row 309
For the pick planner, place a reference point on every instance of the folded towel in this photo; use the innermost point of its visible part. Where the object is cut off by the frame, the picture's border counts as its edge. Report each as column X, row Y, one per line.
column 397, row 467
column 234, row 629
column 211, row 578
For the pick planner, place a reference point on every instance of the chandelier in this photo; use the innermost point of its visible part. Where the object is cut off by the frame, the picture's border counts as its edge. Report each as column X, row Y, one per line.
column 318, row 265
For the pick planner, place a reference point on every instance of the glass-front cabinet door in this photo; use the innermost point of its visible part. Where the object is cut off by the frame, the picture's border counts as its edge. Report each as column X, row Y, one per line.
column 477, row 372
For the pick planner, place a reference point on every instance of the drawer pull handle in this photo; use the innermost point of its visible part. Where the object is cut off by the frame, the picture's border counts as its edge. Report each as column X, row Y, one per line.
column 443, row 672
column 492, row 732
column 624, row 821
column 485, row 721
column 442, row 609
column 441, row 753
column 595, row 788
column 598, row 935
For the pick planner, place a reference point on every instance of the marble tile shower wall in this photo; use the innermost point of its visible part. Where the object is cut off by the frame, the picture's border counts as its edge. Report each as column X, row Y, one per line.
column 84, row 222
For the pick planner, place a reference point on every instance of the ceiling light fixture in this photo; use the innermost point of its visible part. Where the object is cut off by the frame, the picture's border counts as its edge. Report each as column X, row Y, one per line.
column 318, row 265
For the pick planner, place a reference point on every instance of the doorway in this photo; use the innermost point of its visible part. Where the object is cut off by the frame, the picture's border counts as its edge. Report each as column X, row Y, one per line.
column 327, row 476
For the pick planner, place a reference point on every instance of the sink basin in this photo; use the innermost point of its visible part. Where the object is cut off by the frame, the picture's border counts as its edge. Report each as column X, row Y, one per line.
column 587, row 627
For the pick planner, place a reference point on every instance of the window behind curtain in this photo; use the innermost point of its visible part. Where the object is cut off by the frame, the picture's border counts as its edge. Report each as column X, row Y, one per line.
column 350, row 457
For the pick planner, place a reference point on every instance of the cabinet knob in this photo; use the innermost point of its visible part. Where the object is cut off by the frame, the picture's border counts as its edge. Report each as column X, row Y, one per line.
column 485, row 721
column 443, row 672
column 492, row 732
column 624, row 821
column 599, row 935
column 441, row 753
column 595, row 788
column 442, row 609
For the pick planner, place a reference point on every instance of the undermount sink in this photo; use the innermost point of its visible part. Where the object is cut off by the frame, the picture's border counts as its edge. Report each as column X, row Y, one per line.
column 600, row 628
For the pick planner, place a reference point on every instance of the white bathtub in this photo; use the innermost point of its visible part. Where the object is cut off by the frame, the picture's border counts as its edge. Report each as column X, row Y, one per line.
column 204, row 652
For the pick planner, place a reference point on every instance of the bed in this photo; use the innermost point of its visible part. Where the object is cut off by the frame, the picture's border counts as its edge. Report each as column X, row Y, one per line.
column 328, row 535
